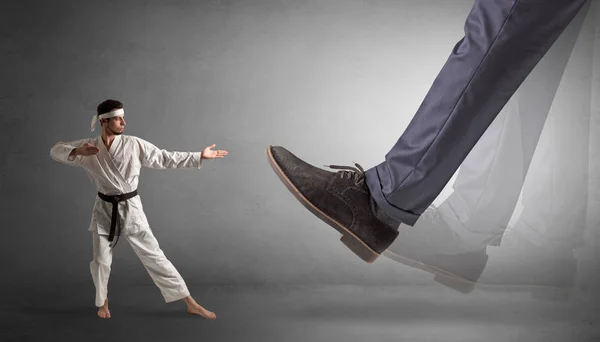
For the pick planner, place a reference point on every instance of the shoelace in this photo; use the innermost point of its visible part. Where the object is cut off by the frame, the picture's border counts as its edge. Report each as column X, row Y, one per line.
column 350, row 172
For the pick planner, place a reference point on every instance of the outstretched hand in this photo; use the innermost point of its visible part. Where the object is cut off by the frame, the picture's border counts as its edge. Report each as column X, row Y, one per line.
column 207, row 153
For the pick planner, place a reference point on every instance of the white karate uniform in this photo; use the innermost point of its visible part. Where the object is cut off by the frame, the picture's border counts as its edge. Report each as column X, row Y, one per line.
column 116, row 171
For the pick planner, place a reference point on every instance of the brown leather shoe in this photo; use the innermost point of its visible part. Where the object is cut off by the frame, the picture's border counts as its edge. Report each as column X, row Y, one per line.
column 341, row 199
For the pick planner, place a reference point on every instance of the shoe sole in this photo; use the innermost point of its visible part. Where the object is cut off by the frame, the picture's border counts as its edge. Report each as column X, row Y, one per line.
column 355, row 244
column 440, row 276
column 463, row 285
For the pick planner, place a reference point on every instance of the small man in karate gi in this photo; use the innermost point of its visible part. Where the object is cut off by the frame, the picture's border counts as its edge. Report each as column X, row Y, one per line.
column 113, row 161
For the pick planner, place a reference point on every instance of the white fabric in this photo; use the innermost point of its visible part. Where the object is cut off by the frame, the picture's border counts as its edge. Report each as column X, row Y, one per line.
column 490, row 180
column 144, row 244
column 116, row 112
column 555, row 194
column 116, row 171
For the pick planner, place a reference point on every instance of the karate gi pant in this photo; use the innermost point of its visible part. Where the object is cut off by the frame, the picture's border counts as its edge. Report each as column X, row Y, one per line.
column 146, row 247
column 550, row 114
column 503, row 42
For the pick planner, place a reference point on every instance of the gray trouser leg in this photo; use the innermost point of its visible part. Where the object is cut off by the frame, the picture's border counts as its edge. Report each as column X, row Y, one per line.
column 504, row 40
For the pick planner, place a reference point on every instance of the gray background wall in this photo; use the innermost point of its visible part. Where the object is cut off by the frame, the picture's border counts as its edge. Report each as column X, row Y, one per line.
column 333, row 81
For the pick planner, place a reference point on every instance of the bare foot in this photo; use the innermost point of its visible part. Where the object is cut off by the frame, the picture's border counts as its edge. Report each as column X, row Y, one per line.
column 103, row 310
column 197, row 309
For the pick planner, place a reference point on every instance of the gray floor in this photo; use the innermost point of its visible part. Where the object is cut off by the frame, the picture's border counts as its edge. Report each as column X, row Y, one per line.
column 65, row 312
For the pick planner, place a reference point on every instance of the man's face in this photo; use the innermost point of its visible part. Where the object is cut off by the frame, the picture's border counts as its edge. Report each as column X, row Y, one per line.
column 115, row 125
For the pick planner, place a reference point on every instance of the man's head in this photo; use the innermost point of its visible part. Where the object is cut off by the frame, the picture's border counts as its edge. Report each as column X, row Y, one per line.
column 113, row 125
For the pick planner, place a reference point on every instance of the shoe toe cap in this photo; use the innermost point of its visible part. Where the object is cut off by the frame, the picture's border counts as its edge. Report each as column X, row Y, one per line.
column 281, row 154
column 305, row 177
column 291, row 164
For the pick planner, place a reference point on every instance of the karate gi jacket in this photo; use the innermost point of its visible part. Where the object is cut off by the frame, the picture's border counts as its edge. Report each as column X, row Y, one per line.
column 116, row 171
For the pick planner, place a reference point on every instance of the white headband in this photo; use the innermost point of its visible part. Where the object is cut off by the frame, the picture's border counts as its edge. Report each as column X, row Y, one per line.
column 116, row 112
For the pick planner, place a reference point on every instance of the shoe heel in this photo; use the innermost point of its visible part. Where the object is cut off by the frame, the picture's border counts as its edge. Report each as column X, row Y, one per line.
column 455, row 284
column 359, row 248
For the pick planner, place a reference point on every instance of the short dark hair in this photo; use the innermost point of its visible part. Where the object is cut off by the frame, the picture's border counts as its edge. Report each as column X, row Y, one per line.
column 108, row 106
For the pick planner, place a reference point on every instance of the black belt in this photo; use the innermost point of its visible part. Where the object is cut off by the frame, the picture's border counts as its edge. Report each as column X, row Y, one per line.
column 114, row 222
